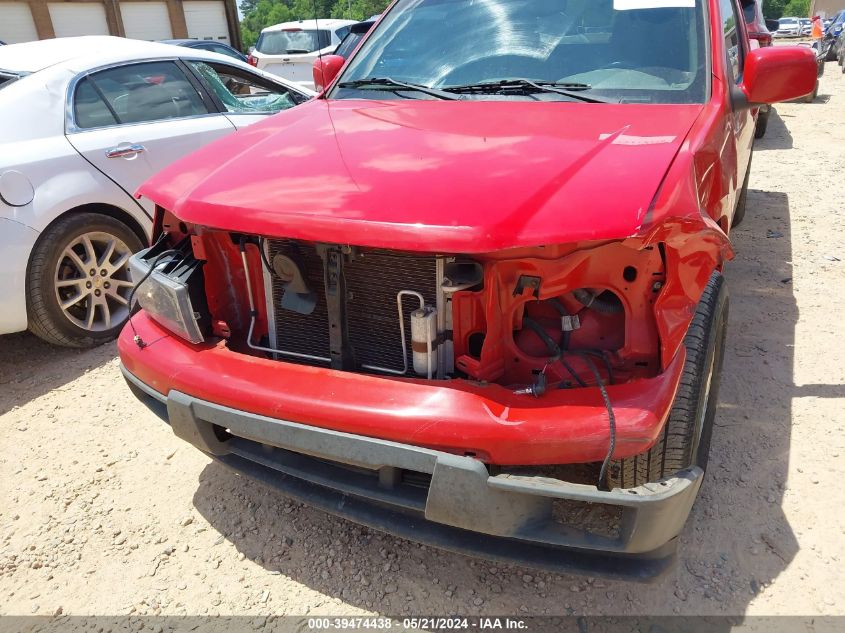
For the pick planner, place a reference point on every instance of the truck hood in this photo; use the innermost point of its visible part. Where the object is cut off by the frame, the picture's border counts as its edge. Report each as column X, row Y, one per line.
column 445, row 176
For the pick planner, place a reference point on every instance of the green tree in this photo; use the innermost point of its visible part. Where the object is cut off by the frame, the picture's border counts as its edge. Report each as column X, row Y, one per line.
column 358, row 9
column 773, row 9
column 798, row 8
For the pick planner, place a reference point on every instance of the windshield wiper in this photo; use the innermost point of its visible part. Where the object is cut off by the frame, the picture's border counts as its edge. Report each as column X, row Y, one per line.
column 571, row 90
column 392, row 85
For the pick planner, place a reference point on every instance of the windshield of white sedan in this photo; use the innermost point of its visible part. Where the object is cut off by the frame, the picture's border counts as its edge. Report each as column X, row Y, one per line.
column 589, row 50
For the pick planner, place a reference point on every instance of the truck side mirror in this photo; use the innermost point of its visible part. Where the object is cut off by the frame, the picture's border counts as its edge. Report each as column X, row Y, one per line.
column 779, row 73
column 326, row 69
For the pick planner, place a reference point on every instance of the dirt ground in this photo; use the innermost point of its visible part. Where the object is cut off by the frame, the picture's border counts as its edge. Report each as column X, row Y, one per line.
column 104, row 511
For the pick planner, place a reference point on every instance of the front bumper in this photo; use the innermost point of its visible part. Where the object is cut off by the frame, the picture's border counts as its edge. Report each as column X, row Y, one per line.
column 566, row 426
column 16, row 243
column 439, row 498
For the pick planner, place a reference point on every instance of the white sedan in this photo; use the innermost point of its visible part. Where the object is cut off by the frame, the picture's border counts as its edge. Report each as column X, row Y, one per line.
column 83, row 122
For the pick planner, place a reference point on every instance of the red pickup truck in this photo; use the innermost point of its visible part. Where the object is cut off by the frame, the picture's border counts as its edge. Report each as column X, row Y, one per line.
column 490, row 250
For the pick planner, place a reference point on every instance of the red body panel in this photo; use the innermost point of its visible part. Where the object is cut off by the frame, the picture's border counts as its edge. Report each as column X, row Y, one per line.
column 440, row 176
column 566, row 426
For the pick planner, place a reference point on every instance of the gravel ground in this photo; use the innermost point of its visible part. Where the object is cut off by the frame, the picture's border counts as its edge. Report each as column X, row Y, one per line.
column 104, row 511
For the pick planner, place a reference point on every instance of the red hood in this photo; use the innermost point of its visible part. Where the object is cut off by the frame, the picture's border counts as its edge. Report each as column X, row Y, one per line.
column 432, row 175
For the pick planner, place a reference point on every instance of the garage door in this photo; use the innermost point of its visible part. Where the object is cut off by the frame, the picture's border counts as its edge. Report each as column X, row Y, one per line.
column 206, row 20
column 78, row 18
column 146, row 20
column 16, row 24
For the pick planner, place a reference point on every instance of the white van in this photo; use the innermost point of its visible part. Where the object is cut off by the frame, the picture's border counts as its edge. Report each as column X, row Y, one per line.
column 288, row 50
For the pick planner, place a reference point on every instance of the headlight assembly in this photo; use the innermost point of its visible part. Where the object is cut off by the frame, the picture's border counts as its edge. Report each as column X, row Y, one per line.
column 172, row 290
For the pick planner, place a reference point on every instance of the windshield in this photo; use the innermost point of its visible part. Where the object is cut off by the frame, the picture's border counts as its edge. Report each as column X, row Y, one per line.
column 633, row 55
column 292, row 41
column 788, row 22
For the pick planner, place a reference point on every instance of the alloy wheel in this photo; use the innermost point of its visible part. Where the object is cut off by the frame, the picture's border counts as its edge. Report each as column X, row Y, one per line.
column 92, row 281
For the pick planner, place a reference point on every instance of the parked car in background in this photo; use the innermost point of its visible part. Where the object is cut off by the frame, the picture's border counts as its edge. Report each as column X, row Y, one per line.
column 839, row 49
column 806, row 26
column 788, row 27
column 820, row 49
column 758, row 31
column 485, row 254
column 209, row 45
column 836, row 33
column 83, row 122
column 288, row 50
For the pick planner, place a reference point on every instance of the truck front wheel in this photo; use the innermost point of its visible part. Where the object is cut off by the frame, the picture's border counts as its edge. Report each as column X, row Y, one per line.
column 685, row 440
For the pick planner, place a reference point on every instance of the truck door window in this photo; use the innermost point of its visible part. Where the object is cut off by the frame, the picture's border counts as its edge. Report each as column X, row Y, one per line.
column 732, row 31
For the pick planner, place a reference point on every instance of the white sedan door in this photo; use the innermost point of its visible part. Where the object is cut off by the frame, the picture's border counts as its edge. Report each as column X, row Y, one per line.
column 132, row 120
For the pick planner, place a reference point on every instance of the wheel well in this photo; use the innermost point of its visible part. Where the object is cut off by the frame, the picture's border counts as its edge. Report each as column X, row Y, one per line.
column 97, row 207
column 106, row 209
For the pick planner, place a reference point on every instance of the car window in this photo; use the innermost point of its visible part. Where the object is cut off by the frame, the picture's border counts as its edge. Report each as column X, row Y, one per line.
column 644, row 55
column 242, row 93
column 749, row 8
column 345, row 48
column 293, row 41
column 223, row 50
column 136, row 93
column 733, row 38
column 342, row 32
column 90, row 109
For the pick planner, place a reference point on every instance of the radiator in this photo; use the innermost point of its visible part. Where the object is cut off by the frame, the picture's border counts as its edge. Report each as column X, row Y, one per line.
column 373, row 279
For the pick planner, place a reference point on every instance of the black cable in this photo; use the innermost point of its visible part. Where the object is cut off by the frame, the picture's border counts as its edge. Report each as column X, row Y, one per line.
column 605, row 302
column 572, row 372
column 554, row 348
column 612, row 419
column 599, row 353
column 264, row 257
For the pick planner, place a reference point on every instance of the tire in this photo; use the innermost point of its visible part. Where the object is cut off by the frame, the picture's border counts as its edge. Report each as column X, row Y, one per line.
column 742, row 201
column 685, row 440
column 762, row 124
column 56, row 277
column 812, row 96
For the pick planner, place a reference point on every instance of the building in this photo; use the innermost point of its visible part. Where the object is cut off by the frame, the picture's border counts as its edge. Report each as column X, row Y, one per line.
column 826, row 8
column 27, row 20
